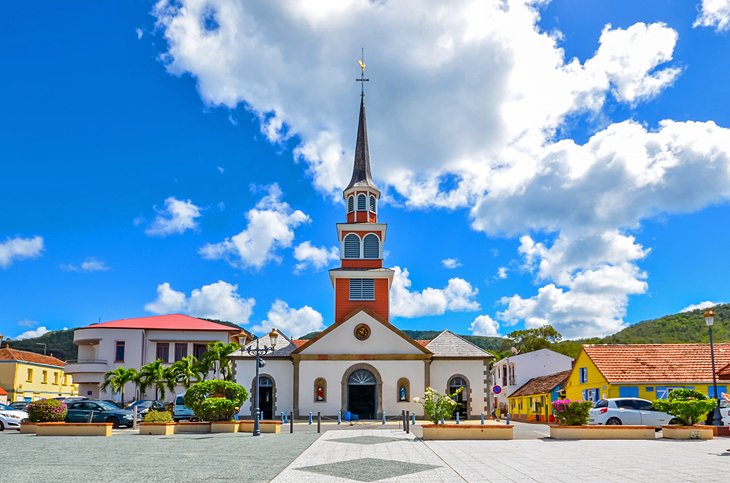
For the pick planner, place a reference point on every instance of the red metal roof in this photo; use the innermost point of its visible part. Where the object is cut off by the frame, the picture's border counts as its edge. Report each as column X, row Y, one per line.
column 3, row 392
column 164, row 322
column 299, row 342
column 9, row 354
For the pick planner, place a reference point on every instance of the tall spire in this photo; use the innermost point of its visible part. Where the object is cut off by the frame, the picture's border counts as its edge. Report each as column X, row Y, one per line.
column 361, row 176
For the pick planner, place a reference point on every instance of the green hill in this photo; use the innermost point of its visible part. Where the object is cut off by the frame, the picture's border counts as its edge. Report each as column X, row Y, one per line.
column 59, row 343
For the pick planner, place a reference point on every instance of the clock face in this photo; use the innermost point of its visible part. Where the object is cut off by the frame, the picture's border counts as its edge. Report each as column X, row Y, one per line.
column 362, row 332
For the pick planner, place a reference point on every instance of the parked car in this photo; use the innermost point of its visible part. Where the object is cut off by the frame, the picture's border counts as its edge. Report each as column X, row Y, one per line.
column 725, row 412
column 628, row 410
column 70, row 399
column 144, row 405
column 103, row 412
column 11, row 418
column 180, row 411
column 19, row 405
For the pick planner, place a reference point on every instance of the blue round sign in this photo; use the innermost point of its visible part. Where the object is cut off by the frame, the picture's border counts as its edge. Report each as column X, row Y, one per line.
column 497, row 389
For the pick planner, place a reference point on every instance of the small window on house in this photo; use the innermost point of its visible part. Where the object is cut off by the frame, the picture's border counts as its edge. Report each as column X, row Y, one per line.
column 362, row 202
column 119, row 353
column 320, row 390
column 352, row 246
column 163, row 351
column 371, row 246
column 199, row 350
column 350, row 204
column 373, row 204
column 44, row 377
column 583, row 374
column 362, row 289
column 181, row 350
column 29, row 377
column 404, row 390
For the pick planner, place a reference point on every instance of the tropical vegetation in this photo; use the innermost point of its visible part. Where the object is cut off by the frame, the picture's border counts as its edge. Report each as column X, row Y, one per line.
column 46, row 411
column 687, row 405
column 437, row 406
column 153, row 416
column 572, row 413
column 118, row 378
column 215, row 400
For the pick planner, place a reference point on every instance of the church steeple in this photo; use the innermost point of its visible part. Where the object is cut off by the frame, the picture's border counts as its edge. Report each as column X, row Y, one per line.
column 361, row 176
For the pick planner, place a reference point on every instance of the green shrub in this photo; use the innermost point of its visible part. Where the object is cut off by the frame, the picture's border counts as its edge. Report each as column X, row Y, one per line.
column 46, row 411
column 687, row 405
column 215, row 400
column 572, row 413
column 439, row 406
column 158, row 417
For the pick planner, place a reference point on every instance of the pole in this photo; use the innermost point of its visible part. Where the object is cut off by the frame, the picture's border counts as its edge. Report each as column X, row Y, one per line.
column 310, row 418
column 134, row 421
column 716, row 417
column 256, row 427
column 319, row 422
column 408, row 421
column 291, row 422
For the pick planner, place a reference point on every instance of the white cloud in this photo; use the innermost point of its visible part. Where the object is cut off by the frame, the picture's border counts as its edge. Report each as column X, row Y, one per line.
column 451, row 263
column 19, row 248
column 714, row 13
column 316, row 257
column 700, row 306
column 27, row 323
column 457, row 296
column 139, row 32
column 178, row 216
column 484, row 325
column 90, row 264
column 270, row 226
column 292, row 322
column 502, row 273
column 29, row 334
column 219, row 300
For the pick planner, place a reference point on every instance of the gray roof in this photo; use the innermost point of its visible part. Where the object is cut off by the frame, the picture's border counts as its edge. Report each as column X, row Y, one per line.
column 361, row 168
column 448, row 344
column 284, row 347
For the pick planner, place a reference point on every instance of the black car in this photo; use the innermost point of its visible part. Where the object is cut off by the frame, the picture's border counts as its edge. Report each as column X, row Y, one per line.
column 100, row 412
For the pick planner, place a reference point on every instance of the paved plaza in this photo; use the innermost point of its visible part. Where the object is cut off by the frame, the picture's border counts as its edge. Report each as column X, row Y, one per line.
column 356, row 453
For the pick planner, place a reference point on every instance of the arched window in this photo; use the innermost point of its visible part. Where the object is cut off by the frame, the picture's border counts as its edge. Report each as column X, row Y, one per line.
column 404, row 390
column 350, row 204
column 462, row 398
column 320, row 390
column 265, row 381
column 371, row 246
column 352, row 246
column 362, row 202
column 372, row 204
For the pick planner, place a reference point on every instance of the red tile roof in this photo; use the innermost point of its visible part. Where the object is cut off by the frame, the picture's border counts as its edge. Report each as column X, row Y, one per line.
column 542, row 384
column 3, row 392
column 298, row 342
column 164, row 322
column 10, row 354
column 423, row 342
column 724, row 373
column 657, row 362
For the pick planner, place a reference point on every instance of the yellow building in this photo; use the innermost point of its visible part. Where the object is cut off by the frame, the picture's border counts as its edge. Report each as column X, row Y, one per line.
column 533, row 401
column 648, row 371
column 27, row 376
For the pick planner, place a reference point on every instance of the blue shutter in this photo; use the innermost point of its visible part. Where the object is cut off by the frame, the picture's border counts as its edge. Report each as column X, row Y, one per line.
column 362, row 202
column 628, row 391
column 371, row 246
column 372, row 204
column 352, row 246
column 350, row 204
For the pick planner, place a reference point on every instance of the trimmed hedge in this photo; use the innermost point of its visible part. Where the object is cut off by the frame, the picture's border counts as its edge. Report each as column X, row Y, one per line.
column 215, row 400
column 158, row 417
column 46, row 411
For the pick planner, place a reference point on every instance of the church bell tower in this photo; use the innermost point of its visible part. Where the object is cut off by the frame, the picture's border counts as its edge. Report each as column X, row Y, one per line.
column 361, row 281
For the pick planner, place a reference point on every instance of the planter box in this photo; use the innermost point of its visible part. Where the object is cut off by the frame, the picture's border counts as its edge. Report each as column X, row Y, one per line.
column 73, row 429
column 687, row 432
column 157, row 429
column 188, row 427
column 265, row 426
column 27, row 428
column 224, row 427
column 467, row 431
column 602, row 432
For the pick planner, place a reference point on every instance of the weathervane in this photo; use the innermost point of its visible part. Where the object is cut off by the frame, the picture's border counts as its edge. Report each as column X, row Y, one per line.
column 362, row 78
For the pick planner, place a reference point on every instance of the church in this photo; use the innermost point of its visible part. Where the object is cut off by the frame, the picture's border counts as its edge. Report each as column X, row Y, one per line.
column 362, row 363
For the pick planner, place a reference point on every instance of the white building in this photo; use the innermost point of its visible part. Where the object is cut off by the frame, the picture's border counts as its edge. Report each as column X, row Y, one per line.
column 132, row 343
column 513, row 372
column 362, row 363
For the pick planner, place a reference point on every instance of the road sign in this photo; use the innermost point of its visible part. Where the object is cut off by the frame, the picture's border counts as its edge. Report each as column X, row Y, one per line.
column 497, row 389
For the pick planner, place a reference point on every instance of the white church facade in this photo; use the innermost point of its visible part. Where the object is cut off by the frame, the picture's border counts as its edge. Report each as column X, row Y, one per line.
column 362, row 363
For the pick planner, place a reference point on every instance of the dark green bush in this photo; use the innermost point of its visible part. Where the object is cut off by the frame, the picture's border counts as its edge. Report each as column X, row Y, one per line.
column 687, row 405
column 46, row 411
column 158, row 417
column 217, row 409
column 572, row 413
column 215, row 400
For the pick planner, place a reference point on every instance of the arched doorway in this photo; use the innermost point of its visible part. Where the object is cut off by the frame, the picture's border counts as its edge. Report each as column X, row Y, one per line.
column 362, row 394
column 267, row 397
column 463, row 397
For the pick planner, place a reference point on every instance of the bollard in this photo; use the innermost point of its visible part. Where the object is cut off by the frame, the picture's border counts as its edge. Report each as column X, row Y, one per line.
column 134, row 421
column 408, row 421
column 319, row 422
column 339, row 417
column 283, row 420
column 383, row 417
column 442, row 421
column 457, row 418
column 91, row 417
column 291, row 423
column 402, row 419
column 310, row 418
column 286, row 418
column 413, row 419
column 507, row 420
column 482, row 419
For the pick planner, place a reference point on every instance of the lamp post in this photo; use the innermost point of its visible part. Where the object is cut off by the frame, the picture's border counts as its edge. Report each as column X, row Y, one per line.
column 258, row 352
column 709, row 316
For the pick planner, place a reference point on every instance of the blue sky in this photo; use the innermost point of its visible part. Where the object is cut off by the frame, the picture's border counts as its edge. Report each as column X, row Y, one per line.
column 559, row 192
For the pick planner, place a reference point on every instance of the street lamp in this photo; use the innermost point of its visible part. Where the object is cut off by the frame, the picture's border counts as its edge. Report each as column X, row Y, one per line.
column 258, row 352
column 709, row 316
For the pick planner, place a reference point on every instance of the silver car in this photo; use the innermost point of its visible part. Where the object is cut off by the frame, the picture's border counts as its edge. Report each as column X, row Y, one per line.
column 628, row 411
column 11, row 418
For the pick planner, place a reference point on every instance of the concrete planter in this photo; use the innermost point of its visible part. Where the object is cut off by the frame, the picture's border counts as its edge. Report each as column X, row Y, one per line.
column 27, row 428
column 602, row 432
column 196, row 427
column 224, row 427
column 687, row 432
column 157, row 429
column 265, row 426
column 467, row 431
column 73, row 429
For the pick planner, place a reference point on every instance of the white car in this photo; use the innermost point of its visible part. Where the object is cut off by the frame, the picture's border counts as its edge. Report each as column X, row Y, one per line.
column 11, row 418
column 628, row 411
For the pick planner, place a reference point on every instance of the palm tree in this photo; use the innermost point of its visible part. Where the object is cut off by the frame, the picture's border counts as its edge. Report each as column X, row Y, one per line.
column 117, row 378
column 186, row 369
column 157, row 375
column 216, row 356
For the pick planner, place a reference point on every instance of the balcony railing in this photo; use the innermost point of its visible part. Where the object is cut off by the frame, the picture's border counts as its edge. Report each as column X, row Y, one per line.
column 86, row 365
column 86, row 361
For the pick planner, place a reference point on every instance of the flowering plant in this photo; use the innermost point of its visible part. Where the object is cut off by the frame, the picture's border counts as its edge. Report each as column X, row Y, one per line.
column 439, row 406
column 572, row 413
column 46, row 410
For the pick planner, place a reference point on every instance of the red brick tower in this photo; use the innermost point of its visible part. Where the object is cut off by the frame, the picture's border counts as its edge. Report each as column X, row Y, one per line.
column 361, row 282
